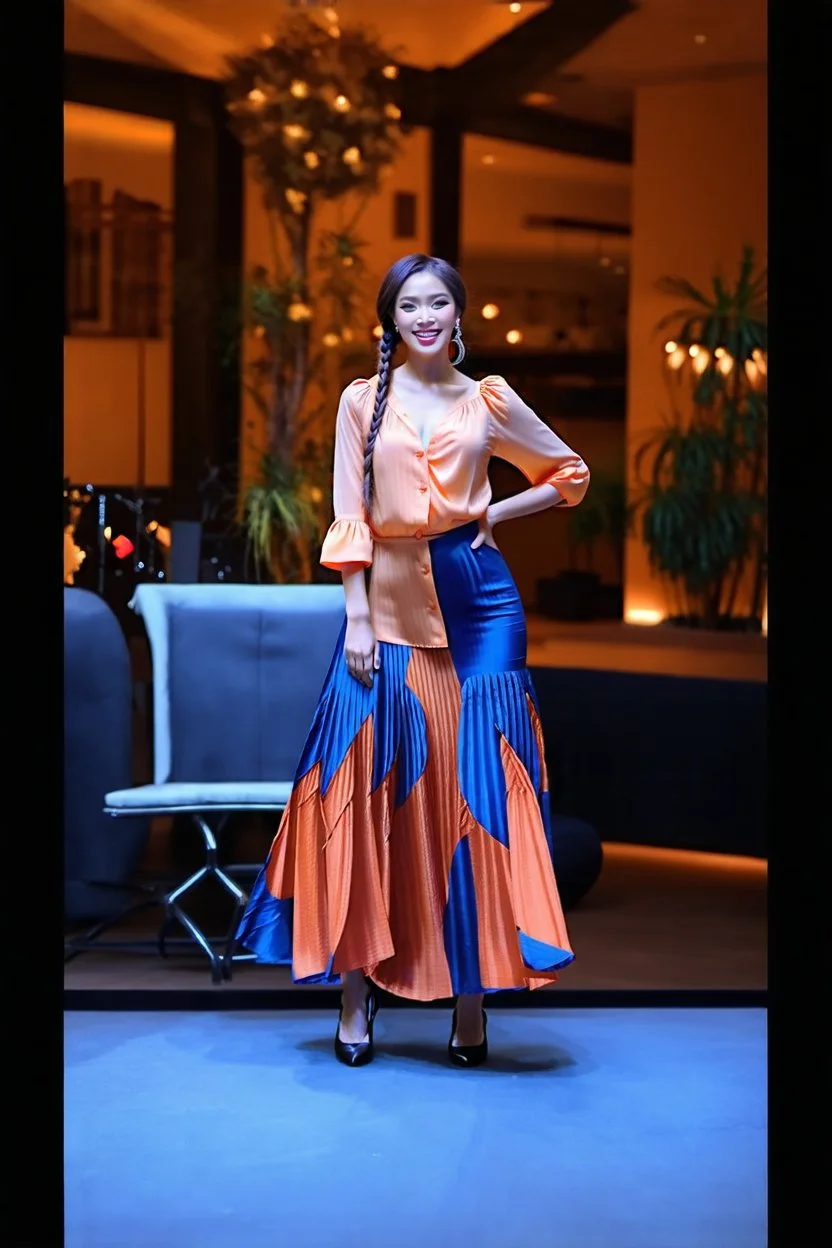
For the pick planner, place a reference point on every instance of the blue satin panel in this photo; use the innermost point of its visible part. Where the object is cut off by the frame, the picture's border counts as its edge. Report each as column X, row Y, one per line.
column 542, row 957
column 399, row 726
column 460, row 932
column 399, row 729
column 266, row 926
column 480, row 605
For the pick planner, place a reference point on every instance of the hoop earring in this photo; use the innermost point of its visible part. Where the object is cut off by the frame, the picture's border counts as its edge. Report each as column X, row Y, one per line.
column 456, row 339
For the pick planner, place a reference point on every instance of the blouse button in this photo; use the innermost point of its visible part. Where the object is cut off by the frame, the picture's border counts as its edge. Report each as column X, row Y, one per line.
column 423, row 489
column 420, row 454
column 431, row 606
column 418, row 533
column 426, row 569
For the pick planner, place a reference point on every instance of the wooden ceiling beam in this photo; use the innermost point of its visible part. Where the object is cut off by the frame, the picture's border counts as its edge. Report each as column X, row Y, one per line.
column 503, row 72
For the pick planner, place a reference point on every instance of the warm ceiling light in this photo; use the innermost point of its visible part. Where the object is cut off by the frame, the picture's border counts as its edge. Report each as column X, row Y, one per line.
column 488, row 159
column 490, row 312
column 514, row 8
column 700, row 38
column 514, row 336
column 670, row 347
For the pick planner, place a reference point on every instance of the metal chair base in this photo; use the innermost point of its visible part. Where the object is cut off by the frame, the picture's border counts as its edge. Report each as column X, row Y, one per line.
column 222, row 959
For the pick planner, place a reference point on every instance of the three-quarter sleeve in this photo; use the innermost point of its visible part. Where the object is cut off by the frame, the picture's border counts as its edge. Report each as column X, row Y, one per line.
column 527, row 442
column 349, row 540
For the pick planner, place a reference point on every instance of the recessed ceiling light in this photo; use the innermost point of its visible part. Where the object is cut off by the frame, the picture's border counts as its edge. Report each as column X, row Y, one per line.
column 514, row 8
column 488, row 159
column 700, row 38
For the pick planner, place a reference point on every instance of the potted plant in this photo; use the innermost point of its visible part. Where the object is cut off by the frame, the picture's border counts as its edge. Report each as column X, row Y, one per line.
column 315, row 110
column 702, row 475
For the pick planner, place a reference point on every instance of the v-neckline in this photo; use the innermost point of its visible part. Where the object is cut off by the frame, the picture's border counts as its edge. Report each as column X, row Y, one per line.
column 425, row 443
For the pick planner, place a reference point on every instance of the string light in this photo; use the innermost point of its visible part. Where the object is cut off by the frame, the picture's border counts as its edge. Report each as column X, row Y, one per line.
column 299, row 89
column 670, row 347
column 341, row 104
column 299, row 311
column 311, row 160
column 390, row 71
column 377, row 331
column 490, row 312
column 296, row 133
column 514, row 336
column 393, row 111
column 257, row 96
column 331, row 339
column 351, row 156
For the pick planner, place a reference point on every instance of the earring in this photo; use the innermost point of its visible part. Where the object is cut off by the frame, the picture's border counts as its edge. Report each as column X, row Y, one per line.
column 456, row 339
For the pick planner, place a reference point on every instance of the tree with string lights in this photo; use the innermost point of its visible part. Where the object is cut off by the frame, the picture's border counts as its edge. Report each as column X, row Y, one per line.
column 315, row 109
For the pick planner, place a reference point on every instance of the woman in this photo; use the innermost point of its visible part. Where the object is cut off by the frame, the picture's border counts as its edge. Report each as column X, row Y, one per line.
column 414, row 854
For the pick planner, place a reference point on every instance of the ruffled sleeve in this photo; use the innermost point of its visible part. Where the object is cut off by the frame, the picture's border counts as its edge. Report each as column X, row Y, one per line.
column 349, row 541
column 528, row 443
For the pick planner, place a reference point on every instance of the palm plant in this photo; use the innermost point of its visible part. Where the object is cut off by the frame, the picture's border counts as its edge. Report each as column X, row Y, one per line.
column 702, row 474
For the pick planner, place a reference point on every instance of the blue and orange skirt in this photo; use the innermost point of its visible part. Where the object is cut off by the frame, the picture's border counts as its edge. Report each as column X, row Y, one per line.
column 416, row 845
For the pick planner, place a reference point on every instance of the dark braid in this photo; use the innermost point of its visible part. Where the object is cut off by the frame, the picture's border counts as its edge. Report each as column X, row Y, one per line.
column 386, row 349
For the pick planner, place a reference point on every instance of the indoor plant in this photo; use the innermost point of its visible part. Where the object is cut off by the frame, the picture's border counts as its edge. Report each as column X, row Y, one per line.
column 702, row 475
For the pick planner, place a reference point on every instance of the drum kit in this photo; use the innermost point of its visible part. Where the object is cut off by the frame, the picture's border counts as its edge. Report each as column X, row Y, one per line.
column 118, row 540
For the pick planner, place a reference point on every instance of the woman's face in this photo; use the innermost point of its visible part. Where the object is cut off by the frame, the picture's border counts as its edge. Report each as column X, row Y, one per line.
column 425, row 314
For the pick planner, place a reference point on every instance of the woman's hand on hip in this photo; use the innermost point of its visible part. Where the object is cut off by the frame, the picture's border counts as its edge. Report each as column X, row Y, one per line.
column 361, row 651
column 486, row 532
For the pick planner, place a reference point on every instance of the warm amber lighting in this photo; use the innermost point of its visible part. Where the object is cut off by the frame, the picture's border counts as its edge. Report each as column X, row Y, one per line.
column 677, row 358
column 701, row 361
column 620, row 270
column 346, row 333
column 390, row 71
column 295, row 133
column 643, row 615
column 348, row 261
column 295, row 199
column 514, row 336
column 693, row 350
column 299, row 89
column 351, row 156
column 257, row 96
column 393, row 111
column 331, row 339
column 539, row 99
column 514, row 8
column 488, row 159
column 760, row 360
column 299, row 312
column 670, row 347
column 718, row 353
column 377, row 331
column 604, row 262
column 259, row 331
column 341, row 104
column 752, row 372
column 700, row 38
column 490, row 312
column 311, row 160
column 108, row 533
column 266, row 41
column 725, row 363
column 330, row 15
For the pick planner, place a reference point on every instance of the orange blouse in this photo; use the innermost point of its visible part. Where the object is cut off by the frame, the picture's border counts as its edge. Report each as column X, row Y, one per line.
column 422, row 491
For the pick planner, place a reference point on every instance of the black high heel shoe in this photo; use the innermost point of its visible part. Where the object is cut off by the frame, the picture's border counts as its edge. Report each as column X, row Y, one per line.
column 357, row 1053
column 468, row 1054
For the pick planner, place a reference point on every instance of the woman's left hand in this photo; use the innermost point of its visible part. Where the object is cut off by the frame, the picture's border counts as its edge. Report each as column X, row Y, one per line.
column 486, row 533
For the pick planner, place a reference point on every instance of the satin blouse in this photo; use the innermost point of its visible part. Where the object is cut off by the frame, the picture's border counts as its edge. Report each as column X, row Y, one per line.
column 422, row 491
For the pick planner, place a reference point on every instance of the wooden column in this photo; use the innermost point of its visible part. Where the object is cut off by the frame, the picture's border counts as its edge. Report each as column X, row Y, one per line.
column 446, row 182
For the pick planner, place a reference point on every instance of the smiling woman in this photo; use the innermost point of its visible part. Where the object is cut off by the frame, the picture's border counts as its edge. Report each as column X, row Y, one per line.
column 415, row 853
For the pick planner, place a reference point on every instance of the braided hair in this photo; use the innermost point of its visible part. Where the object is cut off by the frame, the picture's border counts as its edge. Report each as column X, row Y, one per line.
column 392, row 283
column 386, row 350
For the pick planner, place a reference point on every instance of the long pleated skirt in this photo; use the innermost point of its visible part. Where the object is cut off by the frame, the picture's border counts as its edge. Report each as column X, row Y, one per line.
column 416, row 845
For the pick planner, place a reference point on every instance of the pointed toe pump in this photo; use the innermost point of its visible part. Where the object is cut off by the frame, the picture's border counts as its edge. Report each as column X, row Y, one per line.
column 359, row 1053
column 468, row 1055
